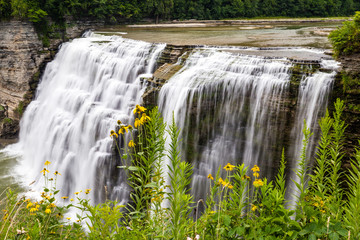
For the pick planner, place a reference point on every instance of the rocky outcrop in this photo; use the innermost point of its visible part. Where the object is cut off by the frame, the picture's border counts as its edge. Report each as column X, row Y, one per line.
column 22, row 60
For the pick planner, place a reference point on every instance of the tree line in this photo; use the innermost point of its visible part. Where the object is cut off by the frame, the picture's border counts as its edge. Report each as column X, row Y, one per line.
column 114, row 11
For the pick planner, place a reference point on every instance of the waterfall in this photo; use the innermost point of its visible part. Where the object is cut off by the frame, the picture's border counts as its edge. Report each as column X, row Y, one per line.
column 92, row 82
column 230, row 108
column 234, row 108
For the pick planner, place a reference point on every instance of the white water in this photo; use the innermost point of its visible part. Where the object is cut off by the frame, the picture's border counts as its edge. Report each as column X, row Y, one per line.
column 92, row 83
column 232, row 108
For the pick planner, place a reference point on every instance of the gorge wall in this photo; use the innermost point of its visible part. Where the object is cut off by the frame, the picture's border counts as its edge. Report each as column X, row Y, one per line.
column 22, row 60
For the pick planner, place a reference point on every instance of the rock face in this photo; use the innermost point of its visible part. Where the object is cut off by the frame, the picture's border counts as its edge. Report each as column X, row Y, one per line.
column 22, row 60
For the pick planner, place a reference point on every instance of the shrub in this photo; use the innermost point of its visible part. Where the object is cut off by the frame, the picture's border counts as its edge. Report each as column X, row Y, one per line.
column 346, row 40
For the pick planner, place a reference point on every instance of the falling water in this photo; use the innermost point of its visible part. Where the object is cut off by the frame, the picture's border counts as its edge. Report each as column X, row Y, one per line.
column 236, row 109
column 91, row 83
column 230, row 108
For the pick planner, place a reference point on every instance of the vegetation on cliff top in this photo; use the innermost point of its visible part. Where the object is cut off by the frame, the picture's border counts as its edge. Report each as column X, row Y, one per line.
column 114, row 10
column 346, row 40
column 240, row 204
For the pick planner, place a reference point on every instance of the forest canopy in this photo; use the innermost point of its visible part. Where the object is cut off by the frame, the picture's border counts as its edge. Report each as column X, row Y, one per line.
column 115, row 10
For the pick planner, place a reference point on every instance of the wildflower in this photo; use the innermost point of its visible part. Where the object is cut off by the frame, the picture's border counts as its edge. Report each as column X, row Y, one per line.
column 56, row 173
column 47, row 197
column 130, row 127
column 51, row 205
column 131, row 143
column 47, row 211
column 77, row 193
column 71, row 199
column 258, row 183
column 44, row 171
column 229, row 167
column 255, row 169
column 253, row 208
column 6, row 216
column 59, row 215
column 210, row 177
column 32, row 210
column 245, row 178
column 51, row 179
column 230, row 186
column 144, row 118
column 137, row 123
column 78, row 220
column 29, row 204
column 212, row 212
column 47, row 163
column 113, row 133
column 68, row 218
column 139, row 109
column 221, row 181
column 256, row 174
column 64, row 197
column 118, row 122
column 87, row 191
column 37, row 206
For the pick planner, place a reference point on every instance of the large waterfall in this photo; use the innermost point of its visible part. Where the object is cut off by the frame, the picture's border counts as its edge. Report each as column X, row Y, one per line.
column 238, row 109
column 229, row 108
column 92, row 83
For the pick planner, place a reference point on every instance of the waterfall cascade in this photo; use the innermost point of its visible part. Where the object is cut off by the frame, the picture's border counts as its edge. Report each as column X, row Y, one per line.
column 229, row 108
column 242, row 109
column 92, row 82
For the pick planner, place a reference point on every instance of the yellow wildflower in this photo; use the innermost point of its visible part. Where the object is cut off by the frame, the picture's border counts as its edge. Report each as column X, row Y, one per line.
column 71, row 199
column 32, row 210
column 245, row 178
column 144, row 118
column 258, row 183
column 137, row 123
column 130, row 127
column 221, row 181
column 77, row 193
column 210, row 177
column 87, row 191
column 113, row 134
column 256, row 174
column 255, row 169
column 51, row 205
column 230, row 186
column 78, row 220
column 229, row 167
column 253, row 208
column 47, row 211
column 131, row 143
column 47, row 163
column 118, row 122
column 29, row 204
column 56, row 173
column 64, row 197
column 68, row 218
column 51, row 179
column 44, row 171
column 139, row 109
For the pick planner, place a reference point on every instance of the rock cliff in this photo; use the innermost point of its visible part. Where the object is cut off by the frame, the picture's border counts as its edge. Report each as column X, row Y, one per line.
column 22, row 59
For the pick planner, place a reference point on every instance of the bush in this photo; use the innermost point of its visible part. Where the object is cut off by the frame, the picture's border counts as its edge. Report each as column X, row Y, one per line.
column 346, row 40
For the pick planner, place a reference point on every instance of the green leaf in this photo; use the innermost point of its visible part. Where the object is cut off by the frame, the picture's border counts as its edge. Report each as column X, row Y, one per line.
column 226, row 219
column 333, row 236
column 312, row 236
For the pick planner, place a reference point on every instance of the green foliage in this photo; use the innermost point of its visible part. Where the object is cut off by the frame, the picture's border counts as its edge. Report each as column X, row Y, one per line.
column 240, row 204
column 179, row 199
column 346, row 40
